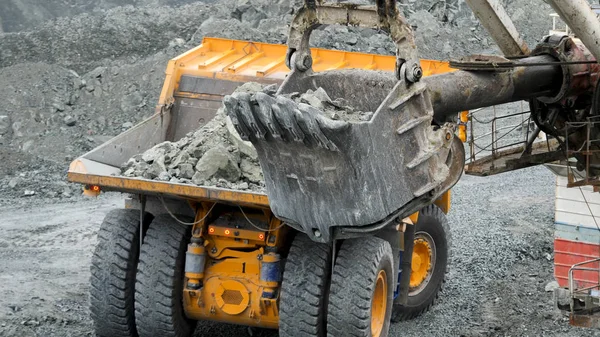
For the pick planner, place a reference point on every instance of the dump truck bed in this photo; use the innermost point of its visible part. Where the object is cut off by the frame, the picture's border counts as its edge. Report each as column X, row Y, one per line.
column 194, row 87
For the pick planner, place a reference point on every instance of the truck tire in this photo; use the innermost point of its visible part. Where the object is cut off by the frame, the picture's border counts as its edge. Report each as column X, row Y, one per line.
column 304, row 288
column 113, row 270
column 432, row 236
column 159, row 286
column 361, row 292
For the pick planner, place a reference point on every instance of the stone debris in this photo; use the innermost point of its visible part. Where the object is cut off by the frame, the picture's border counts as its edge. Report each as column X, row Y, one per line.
column 215, row 155
column 4, row 124
column 70, row 121
column 551, row 286
column 338, row 109
column 13, row 182
column 211, row 156
column 28, row 193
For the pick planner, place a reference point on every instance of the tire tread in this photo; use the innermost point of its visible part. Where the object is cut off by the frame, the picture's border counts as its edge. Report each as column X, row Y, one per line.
column 112, row 274
column 356, row 267
column 303, row 289
column 405, row 313
column 158, row 306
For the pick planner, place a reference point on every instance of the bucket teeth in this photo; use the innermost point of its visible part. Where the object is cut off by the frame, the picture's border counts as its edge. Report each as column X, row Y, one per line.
column 260, row 115
column 285, row 111
column 307, row 119
column 231, row 105
column 245, row 112
column 265, row 113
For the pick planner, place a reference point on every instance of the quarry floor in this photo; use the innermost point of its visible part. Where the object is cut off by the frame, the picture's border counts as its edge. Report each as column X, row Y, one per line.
column 501, row 226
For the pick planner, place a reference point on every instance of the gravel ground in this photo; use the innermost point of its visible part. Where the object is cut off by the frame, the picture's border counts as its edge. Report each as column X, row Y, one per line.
column 501, row 261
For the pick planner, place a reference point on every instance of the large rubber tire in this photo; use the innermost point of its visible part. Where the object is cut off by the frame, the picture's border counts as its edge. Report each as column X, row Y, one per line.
column 355, row 274
column 113, row 270
column 159, row 287
column 433, row 222
column 304, row 288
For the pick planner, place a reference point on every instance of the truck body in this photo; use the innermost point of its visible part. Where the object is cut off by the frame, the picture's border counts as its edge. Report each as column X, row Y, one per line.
column 234, row 287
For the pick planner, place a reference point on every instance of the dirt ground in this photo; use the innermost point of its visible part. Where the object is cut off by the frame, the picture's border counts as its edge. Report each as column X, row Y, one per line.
column 502, row 229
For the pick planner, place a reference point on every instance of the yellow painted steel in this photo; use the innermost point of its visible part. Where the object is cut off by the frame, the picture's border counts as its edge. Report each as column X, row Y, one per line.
column 379, row 304
column 240, row 234
column 444, row 201
column 91, row 191
column 421, row 262
column 239, row 61
column 462, row 126
column 244, row 61
column 414, row 217
column 231, row 287
column 145, row 186
column 200, row 221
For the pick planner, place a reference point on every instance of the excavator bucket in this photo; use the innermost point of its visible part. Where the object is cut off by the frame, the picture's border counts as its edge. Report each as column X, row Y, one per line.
column 337, row 178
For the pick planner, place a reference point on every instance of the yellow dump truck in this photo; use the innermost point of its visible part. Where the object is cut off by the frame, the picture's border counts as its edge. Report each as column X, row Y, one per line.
column 179, row 253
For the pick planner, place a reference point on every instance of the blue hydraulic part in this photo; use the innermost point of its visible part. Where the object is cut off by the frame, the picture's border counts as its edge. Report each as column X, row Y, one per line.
column 270, row 269
column 270, row 274
column 397, row 290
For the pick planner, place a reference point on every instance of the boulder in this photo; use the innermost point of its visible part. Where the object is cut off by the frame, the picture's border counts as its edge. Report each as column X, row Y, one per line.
column 218, row 163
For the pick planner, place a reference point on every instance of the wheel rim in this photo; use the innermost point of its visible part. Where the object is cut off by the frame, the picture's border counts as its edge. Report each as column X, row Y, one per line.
column 423, row 262
column 379, row 304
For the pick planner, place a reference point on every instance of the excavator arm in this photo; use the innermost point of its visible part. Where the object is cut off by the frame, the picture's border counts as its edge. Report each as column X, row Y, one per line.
column 339, row 178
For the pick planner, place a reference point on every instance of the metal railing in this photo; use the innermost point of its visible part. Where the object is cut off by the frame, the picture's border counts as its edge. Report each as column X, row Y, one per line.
column 589, row 148
column 493, row 146
column 573, row 291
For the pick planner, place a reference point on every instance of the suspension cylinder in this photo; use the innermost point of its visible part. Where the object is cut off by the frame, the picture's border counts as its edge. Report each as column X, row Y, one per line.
column 195, row 259
column 270, row 274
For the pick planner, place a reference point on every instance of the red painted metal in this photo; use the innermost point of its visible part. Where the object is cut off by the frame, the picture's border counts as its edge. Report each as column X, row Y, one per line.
column 567, row 253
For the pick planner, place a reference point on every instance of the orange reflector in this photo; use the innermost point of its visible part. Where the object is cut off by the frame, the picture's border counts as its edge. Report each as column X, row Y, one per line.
column 464, row 116
column 227, row 232
column 261, row 236
column 91, row 190
column 462, row 133
column 211, row 230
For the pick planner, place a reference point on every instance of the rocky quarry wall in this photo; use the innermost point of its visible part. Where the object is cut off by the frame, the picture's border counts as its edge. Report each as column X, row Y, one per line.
column 75, row 73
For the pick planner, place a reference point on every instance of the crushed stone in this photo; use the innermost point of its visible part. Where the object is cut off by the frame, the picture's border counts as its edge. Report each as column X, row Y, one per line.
column 337, row 109
column 499, row 290
column 206, row 157
column 214, row 155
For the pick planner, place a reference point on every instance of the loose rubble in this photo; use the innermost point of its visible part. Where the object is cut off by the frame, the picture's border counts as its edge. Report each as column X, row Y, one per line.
column 215, row 155
column 102, row 64
column 207, row 157
column 337, row 109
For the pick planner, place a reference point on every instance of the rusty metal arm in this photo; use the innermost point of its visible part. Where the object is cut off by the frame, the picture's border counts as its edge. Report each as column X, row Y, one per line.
column 493, row 17
column 467, row 90
column 582, row 20
column 384, row 16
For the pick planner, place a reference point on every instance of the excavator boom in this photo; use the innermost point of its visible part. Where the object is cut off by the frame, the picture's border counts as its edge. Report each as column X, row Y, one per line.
column 335, row 178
